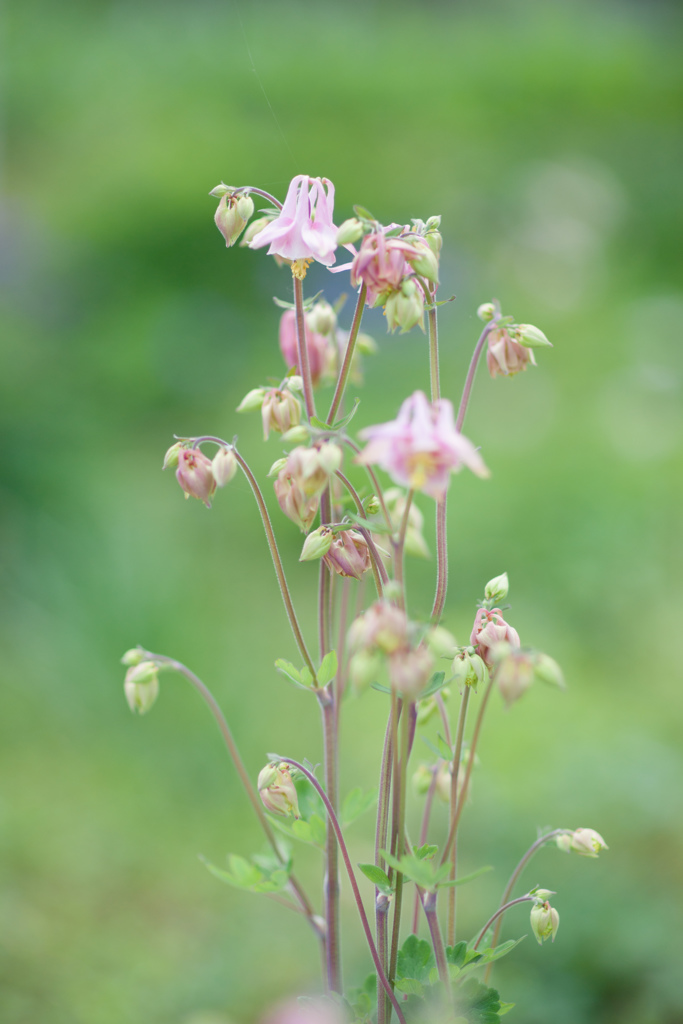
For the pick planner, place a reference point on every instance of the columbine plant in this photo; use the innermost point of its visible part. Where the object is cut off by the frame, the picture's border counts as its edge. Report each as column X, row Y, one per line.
column 364, row 534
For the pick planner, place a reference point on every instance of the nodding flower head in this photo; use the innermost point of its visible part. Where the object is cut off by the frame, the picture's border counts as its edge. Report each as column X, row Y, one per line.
column 303, row 230
column 490, row 629
column 421, row 447
column 348, row 554
column 505, row 356
column 195, row 474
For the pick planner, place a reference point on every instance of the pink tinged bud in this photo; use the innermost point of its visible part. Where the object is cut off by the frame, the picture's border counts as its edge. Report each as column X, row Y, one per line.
column 469, row 670
column 280, row 411
column 224, row 466
column 490, row 628
column 195, row 475
column 505, row 356
column 322, row 354
column 410, row 671
column 229, row 217
column 294, row 502
column 383, row 627
column 312, row 467
column 277, row 790
column 381, row 264
column 303, row 229
column 348, row 555
column 587, row 842
column 405, row 307
column 564, row 842
column 141, row 686
column 421, row 447
column 545, row 921
column 514, row 672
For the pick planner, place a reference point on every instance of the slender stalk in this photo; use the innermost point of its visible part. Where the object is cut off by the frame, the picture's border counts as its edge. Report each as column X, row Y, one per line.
column 375, row 483
column 499, row 912
column 515, row 875
column 302, row 347
column 399, row 546
column 400, row 839
column 348, row 355
column 429, row 906
column 441, row 560
column 258, row 192
column 354, row 885
column 209, row 699
column 381, row 832
column 434, row 355
column 277, row 563
column 469, row 380
column 466, row 782
column 331, row 881
column 424, row 830
column 455, row 771
column 342, row 652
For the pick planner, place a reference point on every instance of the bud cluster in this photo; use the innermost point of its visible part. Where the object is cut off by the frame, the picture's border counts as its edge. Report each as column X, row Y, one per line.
column 382, row 639
column 198, row 475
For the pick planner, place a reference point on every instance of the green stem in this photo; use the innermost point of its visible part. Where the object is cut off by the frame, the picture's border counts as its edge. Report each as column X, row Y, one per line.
column 441, row 535
column 455, row 770
column 469, row 380
column 277, row 563
column 429, row 906
column 400, row 840
column 381, row 832
column 304, row 365
column 348, row 355
column 331, row 881
column 424, row 830
column 434, row 356
column 499, row 913
column 375, row 484
column 399, row 569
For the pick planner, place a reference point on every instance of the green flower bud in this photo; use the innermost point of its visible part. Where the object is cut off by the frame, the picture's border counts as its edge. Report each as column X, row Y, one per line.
column 277, row 790
column 486, row 311
column 366, row 345
column 364, row 669
column 224, row 466
column 322, row 319
column 434, row 241
column 545, row 921
column 587, row 842
column 245, row 207
column 469, row 669
column 171, row 456
column 548, row 671
column 141, row 686
column 422, row 780
column 299, row 434
column 530, row 336
column 496, row 590
column 372, row 505
column 253, row 229
column 133, row 657
column 277, row 466
column 350, row 231
column 427, row 263
column 317, row 544
column 440, row 642
column 221, row 190
column 252, row 400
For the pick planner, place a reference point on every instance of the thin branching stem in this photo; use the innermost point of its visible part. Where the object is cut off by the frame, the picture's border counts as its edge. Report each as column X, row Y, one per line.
column 500, row 912
column 348, row 355
column 455, row 771
column 302, row 347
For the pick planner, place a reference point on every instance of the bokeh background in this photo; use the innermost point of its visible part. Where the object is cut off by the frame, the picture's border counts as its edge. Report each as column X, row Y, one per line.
column 547, row 134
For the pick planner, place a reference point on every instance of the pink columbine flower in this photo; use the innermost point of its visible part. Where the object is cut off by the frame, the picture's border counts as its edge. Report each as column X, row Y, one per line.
column 195, row 474
column 381, row 264
column 505, row 356
column 348, row 555
column 322, row 354
column 490, row 629
column 303, row 230
column 421, row 447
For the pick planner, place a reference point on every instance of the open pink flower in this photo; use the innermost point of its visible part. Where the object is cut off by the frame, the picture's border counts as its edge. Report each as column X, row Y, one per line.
column 303, row 230
column 421, row 447
column 381, row 264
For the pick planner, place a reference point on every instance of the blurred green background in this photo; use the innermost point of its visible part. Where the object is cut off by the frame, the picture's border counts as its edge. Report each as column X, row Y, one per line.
column 547, row 134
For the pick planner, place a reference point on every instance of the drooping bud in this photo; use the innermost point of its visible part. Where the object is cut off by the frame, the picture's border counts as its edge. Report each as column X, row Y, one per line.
column 422, row 779
column 141, row 686
column 545, row 921
column 486, row 311
column 505, row 356
column 434, row 241
column 277, row 466
column 299, row 434
column 564, row 842
column 497, row 589
column 490, row 628
column 405, row 308
column 280, row 411
column 171, row 456
column 514, row 671
column 440, row 642
column 224, row 466
column 382, row 627
column 252, row 400
column 410, row 671
column 133, row 657
column 245, row 207
column 350, row 231
column 218, row 191
column 300, row 507
column 195, row 474
column 587, row 842
column 312, row 467
column 348, row 555
column 317, row 544
column 254, row 228
column 229, row 220
column 277, row 790
column 364, row 669
column 530, row 336
column 322, row 319
column 469, row 669
column 548, row 671
column 372, row 505
column 426, row 262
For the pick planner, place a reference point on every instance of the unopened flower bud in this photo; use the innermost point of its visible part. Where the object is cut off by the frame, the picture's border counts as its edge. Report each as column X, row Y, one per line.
column 514, row 671
column 297, row 435
column 195, row 474
column 497, row 589
column 372, row 505
column 545, row 921
column 469, row 669
column 434, row 241
column 141, row 686
column 221, row 190
column 505, row 356
column 444, row 778
column 350, row 231
column 410, row 671
column 322, row 318
column 422, row 779
column 587, row 842
column 245, row 207
column 171, row 456
column 366, row 345
column 295, row 383
column 415, row 545
column 383, row 626
column 564, row 842
column 426, row 263
column 224, row 466
column 530, row 336
column 280, row 411
column 252, row 400
column 228, row 219
column 277, row 790
column 317, row 544
column 312, row 467
column 490, row 628
column 277, row 466
column 348, row 555
column 405, row 308
column 440, row 642
column 364, row 669
column 486, row 311
column 548, row 671
column 253, row 229
column 133, row 657
column 300, row 507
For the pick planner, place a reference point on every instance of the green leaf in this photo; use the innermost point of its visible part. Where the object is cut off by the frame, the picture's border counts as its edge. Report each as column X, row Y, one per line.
column 375, row 526
column 362, row 213
column 410, row 986
column 476, row 1003
column 380, row 687
column 320, row 424
column 505, row 1008
column 246, row 873
column 435, row 684
column 302, row 830
column 306, row 676
column 287, row 669
column 415, row 959
column 328, row 668
column 489, row 955
column 376, row 876
column 456, row 954
column 338, row 424
column 356, row 803
column 425, row 852
column 422, row 872
column 318, row 829
column 468, row 878
column 444, row 748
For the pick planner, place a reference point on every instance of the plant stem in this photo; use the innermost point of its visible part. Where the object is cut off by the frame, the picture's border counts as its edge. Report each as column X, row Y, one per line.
column 469, row 380
column 434, row 356
column 400, row 838
column 277, row 563
column 302, row 347
column 258, row 192
column 400, row 545
column 515, row 875
column 441, row 535
column 331, row 881
column 429, row 906
column 348, row 355
column 381, row 844
column 354, row 885
column 455, row 771
column 375, row 483
column 209, row 699
column 423, row 839
column 470, row 761
column 501, row 910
